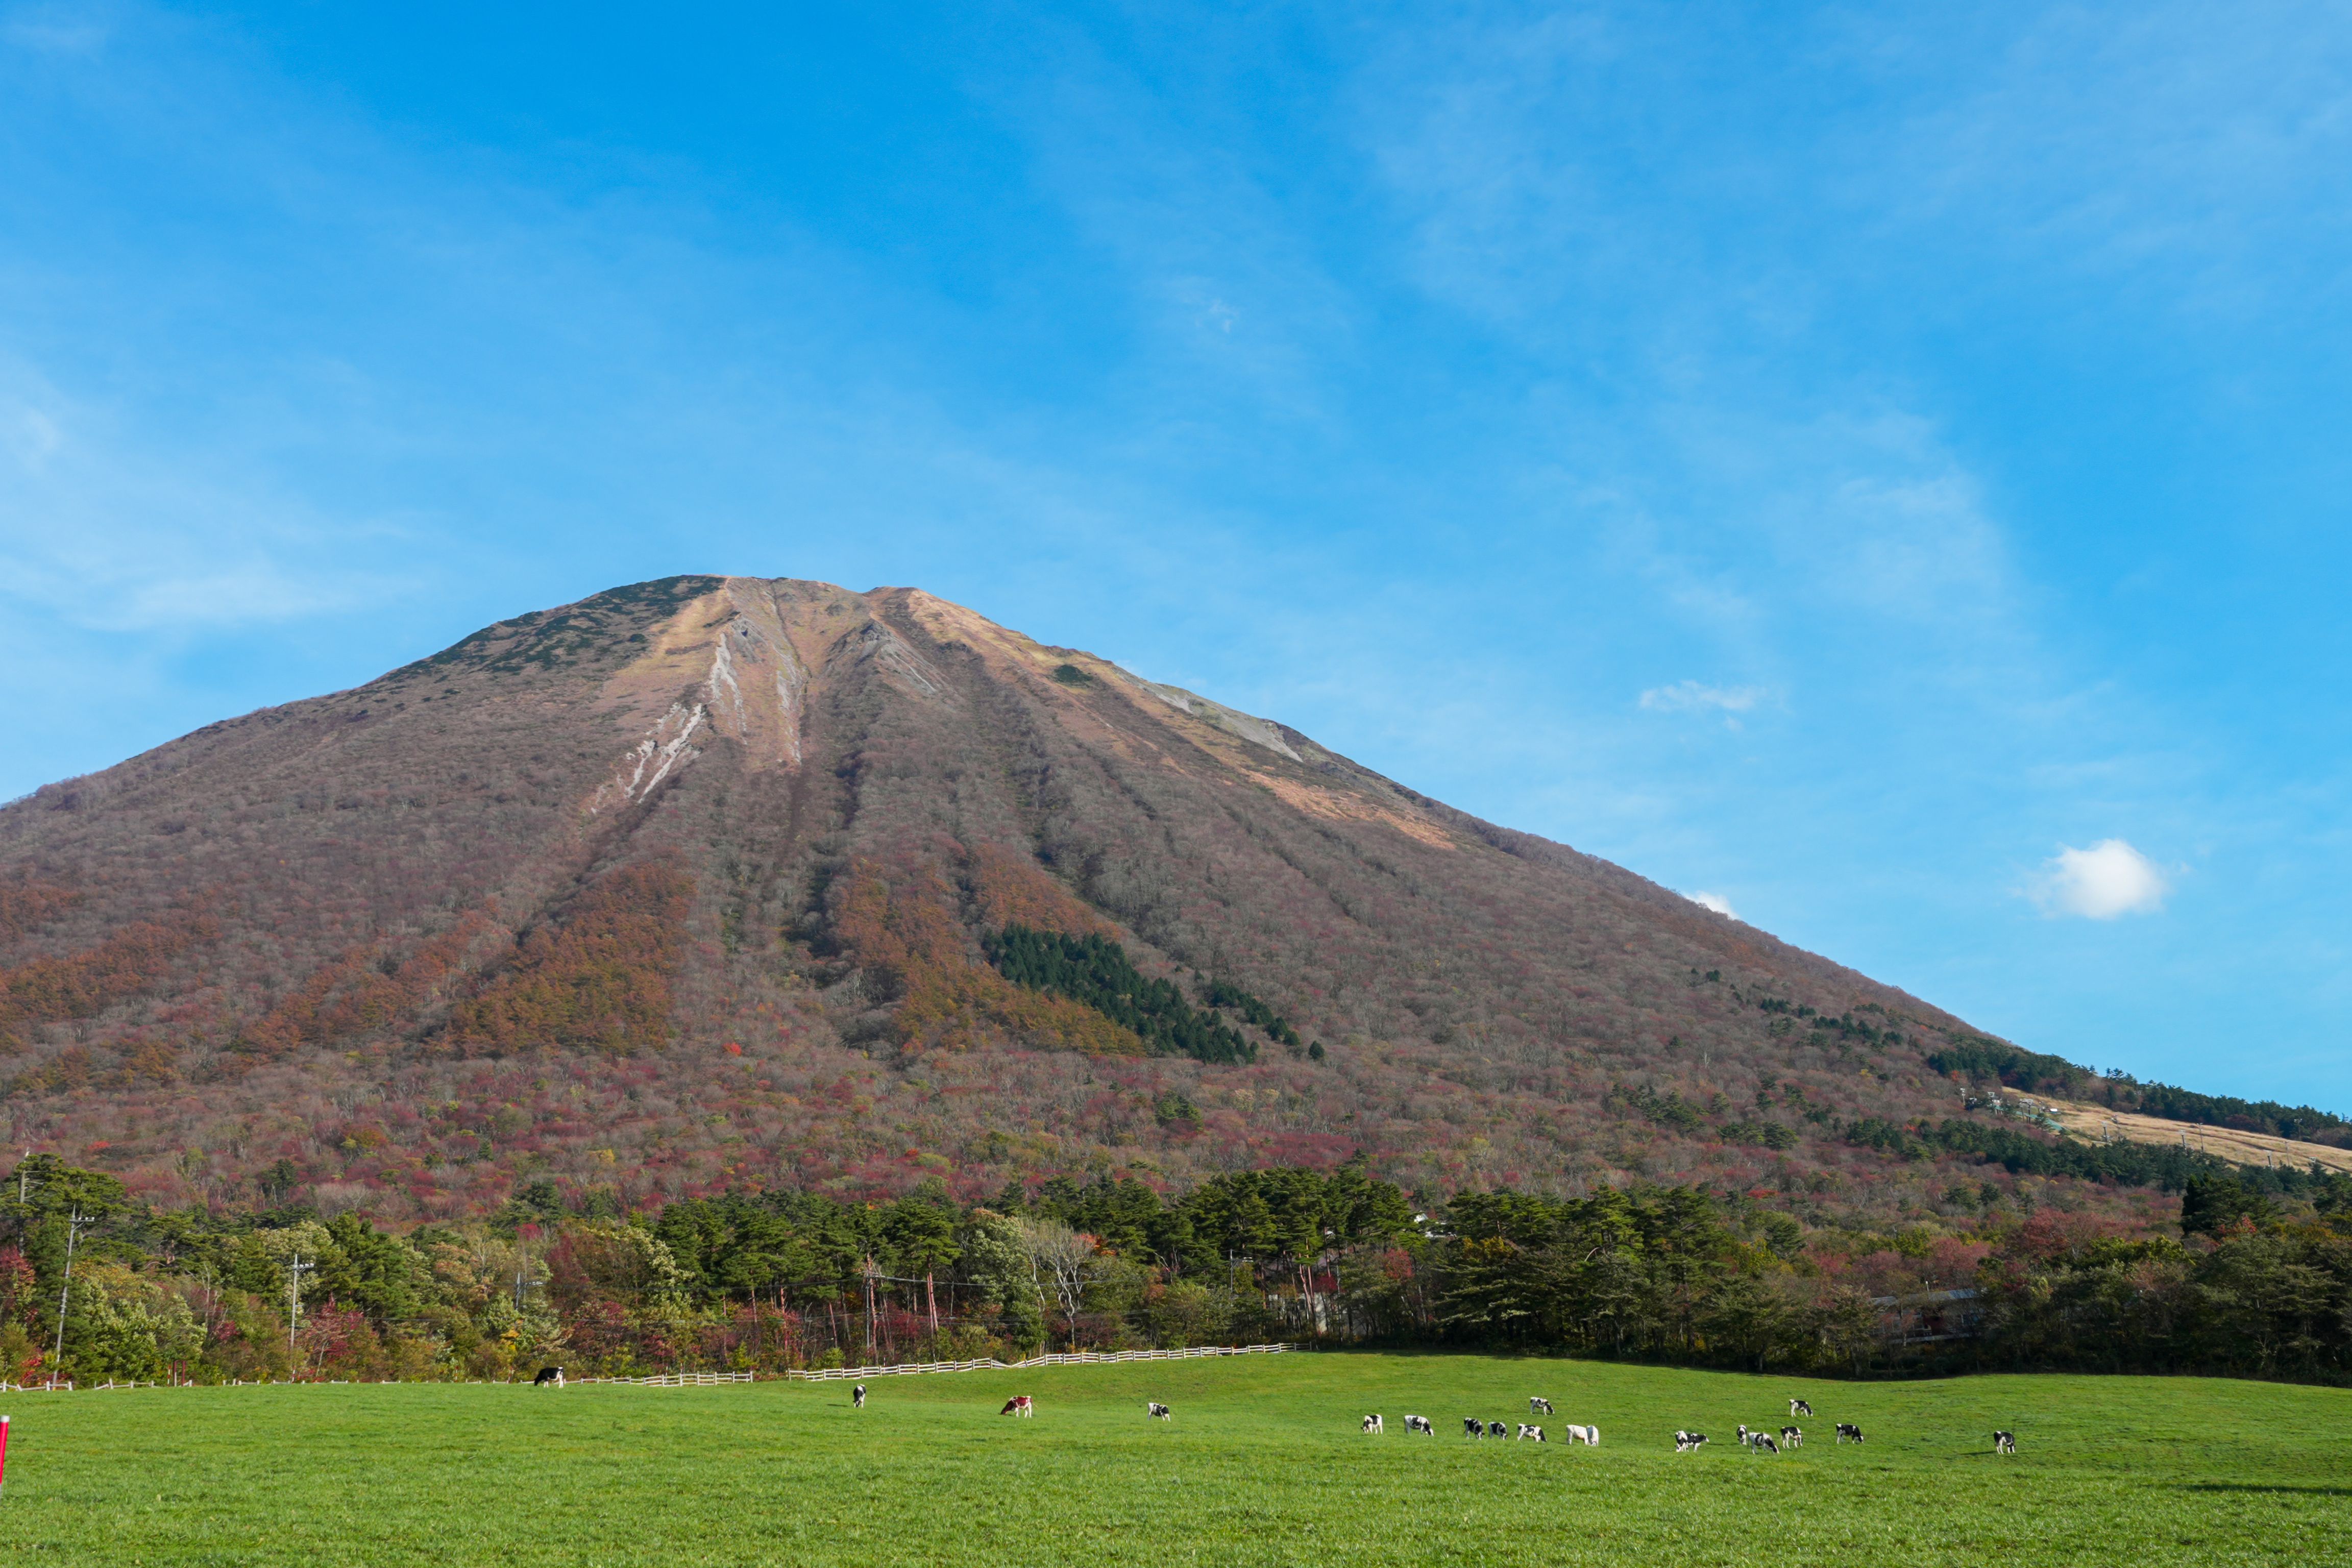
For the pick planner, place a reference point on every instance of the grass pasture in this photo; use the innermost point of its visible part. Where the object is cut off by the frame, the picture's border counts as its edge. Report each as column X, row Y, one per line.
column 1262, row 1464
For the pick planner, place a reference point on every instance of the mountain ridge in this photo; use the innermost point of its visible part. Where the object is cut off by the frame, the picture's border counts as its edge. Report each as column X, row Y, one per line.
column 687, row 884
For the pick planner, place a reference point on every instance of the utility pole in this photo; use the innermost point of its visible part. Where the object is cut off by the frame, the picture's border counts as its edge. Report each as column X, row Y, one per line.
column 871, row 1272
column 294, row 1272
column 64, row 1291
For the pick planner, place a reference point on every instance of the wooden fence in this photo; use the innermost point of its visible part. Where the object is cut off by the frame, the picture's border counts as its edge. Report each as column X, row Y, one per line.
column 821, row 1374
column 1070, row 1358
column 825, row 1374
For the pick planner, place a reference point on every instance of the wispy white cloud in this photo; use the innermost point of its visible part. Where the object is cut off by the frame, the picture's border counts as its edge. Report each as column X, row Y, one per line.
column 1715, row 901
column 108, row 528
column 53, row 30
column 2108, row 879
column 1694, row 696
column 2200, row 153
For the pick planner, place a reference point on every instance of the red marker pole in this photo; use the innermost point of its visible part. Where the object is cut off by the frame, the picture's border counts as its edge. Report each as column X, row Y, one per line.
column 4, row 1453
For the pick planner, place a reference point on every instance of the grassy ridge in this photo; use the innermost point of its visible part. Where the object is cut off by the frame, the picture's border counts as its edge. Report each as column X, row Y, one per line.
column 1262, row 1464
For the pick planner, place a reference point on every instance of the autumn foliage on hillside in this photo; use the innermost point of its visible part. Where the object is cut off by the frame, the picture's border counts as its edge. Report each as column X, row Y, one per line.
column 577, row 902
column 1007, row 888
column 26, row 906
column 908, row 942
column 365, row 993
column 1097, row 973
column 599, row 979
column 134, row 959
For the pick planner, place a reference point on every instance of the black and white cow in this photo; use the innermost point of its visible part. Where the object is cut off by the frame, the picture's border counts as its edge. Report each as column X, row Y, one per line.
column 1688, row 1442
column 857, row 1396
column 2004, row 1442
column 1156, row 1410
column 1420, row 1423
column 1846, row 1429
column 1538, row 1405
column 1747, row 1438
column 1526, row 1431
column 1762, row 1444
column 548, row 1374
column 1496, row 1429
column 1372, row 1424
column 1799, row 1407
column 1792, row 1436
column 1472, row 1427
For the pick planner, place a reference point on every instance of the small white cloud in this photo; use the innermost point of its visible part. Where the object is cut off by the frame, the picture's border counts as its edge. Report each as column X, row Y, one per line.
column 1715, row 901
column 2108, row 879
column 1695, row 696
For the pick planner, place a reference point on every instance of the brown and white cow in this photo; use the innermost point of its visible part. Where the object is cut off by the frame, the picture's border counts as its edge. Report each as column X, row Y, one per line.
column 1019, row 1405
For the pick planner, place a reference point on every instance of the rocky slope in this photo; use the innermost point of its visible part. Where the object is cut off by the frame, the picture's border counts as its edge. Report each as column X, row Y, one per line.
column 696, row 883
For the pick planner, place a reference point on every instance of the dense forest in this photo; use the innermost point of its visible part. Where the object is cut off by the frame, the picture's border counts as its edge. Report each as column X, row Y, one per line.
column 2255, row 1279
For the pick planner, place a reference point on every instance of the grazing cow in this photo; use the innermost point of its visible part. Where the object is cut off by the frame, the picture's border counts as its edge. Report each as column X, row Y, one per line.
column 1473, row 1427
column 1589, row 1435
column 1799, row 1407
column 2004, row 1442
column 1688, row 1442
column 1527, row 1431
column 1792, row 1436
column 1156, row 1410
column 1763, row 1444
column 1372, row 1424
column 1420, row 1423
column 1019, row 1405
column 1537, row 1405
column 1847, row 1429
column 1495, row 1429
column 858, row 1397
column 547, row 1374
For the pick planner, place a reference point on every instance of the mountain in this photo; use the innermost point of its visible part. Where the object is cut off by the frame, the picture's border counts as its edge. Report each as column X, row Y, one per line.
column 720, row 881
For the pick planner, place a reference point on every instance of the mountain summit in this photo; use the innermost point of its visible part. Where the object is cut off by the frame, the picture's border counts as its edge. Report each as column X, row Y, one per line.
column 722, row 880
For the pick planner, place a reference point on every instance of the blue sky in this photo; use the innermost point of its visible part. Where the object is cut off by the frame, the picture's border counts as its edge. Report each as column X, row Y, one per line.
column 1882, row 466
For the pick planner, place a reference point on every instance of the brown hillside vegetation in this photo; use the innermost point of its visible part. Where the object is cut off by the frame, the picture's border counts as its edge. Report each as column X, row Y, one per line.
column 2097, row 1123
column 690, row 885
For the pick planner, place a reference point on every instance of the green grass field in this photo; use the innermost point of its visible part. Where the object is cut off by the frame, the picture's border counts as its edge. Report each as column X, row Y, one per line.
column 1263, row 1464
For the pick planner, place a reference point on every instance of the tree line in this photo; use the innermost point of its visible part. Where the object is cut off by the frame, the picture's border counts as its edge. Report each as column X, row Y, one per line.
column 2251, row 1281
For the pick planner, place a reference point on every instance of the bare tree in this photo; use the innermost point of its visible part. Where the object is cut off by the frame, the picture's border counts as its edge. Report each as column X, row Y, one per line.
column 1061, row 1261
